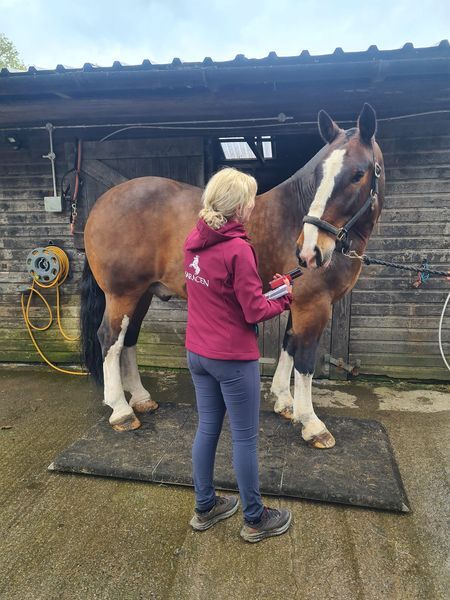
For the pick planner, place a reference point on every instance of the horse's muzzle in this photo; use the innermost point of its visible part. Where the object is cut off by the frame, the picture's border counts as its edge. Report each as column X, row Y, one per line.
column 310, row 259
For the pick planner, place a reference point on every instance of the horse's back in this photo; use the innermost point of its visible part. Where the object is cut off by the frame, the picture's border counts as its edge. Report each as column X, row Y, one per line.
column 144, row 191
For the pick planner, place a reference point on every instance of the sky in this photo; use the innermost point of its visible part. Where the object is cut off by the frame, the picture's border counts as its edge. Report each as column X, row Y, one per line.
column 49, row 32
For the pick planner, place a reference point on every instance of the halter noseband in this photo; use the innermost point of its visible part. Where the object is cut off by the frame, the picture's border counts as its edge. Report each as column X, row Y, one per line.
column 341, row 233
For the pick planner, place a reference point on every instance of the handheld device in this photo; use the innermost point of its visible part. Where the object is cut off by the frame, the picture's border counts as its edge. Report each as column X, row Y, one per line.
column 278, row 287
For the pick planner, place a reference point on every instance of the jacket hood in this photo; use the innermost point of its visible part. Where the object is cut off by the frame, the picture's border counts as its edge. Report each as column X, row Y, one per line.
column 204, row 236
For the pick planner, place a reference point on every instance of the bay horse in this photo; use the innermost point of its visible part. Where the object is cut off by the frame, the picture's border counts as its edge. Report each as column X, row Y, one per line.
column 134, row 250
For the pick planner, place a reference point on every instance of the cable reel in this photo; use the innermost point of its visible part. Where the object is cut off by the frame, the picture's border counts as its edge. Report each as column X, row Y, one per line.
column 43, row 265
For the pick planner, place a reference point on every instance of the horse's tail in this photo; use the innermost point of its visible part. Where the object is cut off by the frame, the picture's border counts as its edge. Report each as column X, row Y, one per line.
column 91, row 315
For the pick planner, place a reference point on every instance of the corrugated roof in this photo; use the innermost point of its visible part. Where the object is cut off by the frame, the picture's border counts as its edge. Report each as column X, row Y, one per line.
column 407, row 51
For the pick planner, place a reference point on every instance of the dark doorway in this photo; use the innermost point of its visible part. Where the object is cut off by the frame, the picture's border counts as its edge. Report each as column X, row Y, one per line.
column 270, row 159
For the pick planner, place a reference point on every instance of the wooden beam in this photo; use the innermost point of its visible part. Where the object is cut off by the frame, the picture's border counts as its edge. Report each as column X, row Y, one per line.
column 103, row 173
column 255, row 149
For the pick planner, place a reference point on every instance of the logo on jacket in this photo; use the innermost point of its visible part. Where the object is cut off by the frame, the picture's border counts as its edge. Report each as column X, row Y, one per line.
column 194, row 264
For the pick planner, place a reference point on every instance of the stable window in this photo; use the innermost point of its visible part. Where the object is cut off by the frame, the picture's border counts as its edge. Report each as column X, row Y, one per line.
column 247, row 148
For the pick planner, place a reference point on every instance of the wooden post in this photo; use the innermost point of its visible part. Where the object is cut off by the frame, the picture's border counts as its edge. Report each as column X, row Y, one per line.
column 340, row 335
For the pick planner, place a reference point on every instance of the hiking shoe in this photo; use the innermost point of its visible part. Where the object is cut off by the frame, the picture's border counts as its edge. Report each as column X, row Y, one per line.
column 273, row 522
column 224, row 507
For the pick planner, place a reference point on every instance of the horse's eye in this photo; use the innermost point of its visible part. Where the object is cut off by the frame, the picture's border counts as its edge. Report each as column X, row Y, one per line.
column 357, row 176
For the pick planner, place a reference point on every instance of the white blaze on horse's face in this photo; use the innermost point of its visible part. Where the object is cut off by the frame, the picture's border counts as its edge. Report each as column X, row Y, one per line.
column 332, row 166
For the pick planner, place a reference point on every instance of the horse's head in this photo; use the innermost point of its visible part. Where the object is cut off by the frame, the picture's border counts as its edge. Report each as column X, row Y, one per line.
column 346, row 186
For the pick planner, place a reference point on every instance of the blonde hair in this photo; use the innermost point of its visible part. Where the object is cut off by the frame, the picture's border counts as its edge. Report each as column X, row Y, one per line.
column 228, row 194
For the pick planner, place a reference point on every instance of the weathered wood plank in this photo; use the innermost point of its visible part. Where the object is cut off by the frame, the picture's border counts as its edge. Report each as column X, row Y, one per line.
column 340, row 335
column 398, row 335
column 147, row 148
column 413, row 215
column 440, row 228
column 414, row 144
column 391, row 323
column 421, row 158
column 416, row 372
column 272, row 344
column 399, row 283
column 393, row 309
column 378, row 296
column 103, row 173
column 416, row 128
column 389, row 359
column 418, row 186
column 398, row 244
column 406, row 173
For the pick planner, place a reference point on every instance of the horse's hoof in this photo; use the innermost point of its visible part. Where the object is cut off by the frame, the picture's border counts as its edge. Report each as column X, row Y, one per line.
column 286, row 413
column 129, row 423
column 322, row 441
column 145, row 406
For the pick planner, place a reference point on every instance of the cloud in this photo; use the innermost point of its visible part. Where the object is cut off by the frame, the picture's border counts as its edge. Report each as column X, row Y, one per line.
column 47, row 32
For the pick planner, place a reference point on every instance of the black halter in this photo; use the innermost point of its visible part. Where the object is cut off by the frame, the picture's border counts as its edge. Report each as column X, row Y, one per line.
column 341, row 233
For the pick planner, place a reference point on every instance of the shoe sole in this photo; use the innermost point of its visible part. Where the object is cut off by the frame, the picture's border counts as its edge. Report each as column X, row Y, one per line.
column 214, row 520
column 258, row 537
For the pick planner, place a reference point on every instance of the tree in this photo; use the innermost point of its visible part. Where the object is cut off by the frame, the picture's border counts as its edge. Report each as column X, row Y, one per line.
column 9, row 56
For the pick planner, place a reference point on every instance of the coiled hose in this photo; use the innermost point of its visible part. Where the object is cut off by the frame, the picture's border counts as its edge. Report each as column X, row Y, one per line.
column 63, row 272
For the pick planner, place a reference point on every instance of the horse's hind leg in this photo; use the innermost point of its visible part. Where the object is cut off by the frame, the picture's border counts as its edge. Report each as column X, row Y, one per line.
column 141, row 400
column 111, row 335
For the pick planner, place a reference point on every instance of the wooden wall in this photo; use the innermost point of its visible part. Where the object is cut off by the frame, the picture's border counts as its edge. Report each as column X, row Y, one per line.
column 393, row 326
column 25, row 178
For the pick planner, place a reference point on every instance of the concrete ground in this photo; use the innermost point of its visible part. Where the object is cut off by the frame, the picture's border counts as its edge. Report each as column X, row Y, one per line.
column 71, row 536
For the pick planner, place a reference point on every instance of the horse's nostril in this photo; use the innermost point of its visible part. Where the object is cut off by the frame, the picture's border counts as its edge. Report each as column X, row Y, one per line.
column 319, row 259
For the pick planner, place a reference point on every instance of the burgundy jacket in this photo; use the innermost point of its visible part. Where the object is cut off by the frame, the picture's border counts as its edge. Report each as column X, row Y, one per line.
column 224, row 293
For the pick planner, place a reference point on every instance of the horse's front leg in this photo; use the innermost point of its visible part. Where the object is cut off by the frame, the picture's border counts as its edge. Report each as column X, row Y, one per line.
column 308, row 327
column 281, row 382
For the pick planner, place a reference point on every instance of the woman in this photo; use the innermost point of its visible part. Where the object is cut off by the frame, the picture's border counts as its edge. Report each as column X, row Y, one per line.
column 225, row 302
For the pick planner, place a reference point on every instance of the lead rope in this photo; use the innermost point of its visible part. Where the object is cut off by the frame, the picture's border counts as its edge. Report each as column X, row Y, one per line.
column 369, row 260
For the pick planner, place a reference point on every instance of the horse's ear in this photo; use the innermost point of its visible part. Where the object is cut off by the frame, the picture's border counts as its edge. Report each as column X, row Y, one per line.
column 367, row 123
column 327, row 127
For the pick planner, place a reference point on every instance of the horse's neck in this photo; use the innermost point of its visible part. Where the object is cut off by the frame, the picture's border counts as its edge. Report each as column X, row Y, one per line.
column 277, row 220
column 289, row 202
column 301, row 187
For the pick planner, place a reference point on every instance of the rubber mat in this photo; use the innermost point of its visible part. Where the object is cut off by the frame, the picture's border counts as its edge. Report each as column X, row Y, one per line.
column 360, row 470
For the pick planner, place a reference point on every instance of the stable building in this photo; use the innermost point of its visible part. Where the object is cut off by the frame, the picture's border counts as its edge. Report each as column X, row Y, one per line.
column 186, row 120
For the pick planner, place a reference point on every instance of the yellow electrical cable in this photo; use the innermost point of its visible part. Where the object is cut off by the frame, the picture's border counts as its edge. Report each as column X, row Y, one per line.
column 63, row 261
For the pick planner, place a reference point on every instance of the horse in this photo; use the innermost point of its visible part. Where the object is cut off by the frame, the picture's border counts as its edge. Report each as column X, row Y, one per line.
column 134, row 250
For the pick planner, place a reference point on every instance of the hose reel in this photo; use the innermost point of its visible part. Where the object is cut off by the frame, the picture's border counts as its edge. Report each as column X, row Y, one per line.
column 48, row 268
column 43, row 265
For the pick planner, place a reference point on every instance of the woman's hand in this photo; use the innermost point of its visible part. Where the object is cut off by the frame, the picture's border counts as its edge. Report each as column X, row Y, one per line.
column 288, row 285
column 285, row 280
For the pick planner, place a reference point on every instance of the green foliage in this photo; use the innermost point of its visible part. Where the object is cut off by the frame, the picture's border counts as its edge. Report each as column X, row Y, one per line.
column 9, row 56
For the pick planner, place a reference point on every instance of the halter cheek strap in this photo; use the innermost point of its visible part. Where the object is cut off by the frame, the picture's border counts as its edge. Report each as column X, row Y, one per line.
column 341, row 233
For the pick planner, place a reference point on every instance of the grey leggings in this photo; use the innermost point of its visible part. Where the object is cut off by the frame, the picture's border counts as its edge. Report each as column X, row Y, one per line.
column 233, row 386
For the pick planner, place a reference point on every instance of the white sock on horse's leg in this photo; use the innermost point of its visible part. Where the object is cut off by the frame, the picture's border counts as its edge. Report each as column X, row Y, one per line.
column 281, row 382
column 114, row 396
column 131, row 380
column 303, row 407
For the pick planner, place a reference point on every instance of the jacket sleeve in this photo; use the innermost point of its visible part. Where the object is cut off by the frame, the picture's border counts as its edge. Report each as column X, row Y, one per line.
column 247, row 286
